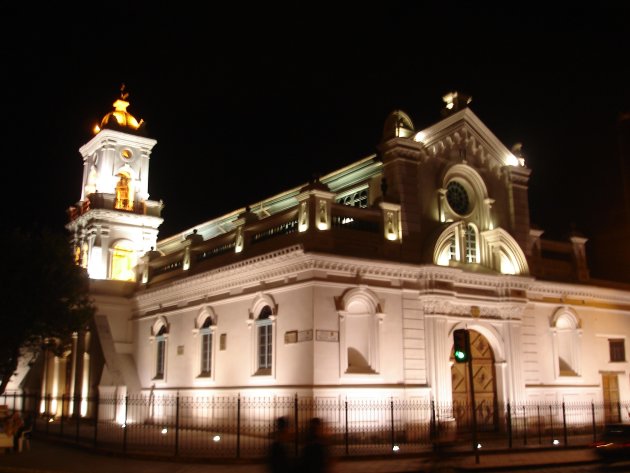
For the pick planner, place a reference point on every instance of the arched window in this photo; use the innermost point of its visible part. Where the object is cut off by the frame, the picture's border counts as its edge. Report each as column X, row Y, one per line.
column 160, row 352
column 262, row 323
column 90, row 185
column 459, row 243
column 471, row 244
column 566, row 343
column 265, row 340
column 359, row 336
column 447, row 247
column 123, row 261
column 206, row 348
column 204, row 333
column 452, row 249
column 463, row 243
column 84, row 255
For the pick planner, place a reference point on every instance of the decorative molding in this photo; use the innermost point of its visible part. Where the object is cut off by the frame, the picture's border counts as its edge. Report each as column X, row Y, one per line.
column 424, row 280
column 446, row 307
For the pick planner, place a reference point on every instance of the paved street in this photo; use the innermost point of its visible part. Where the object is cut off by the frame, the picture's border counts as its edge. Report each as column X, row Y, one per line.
column 48, row 457
column 598, row 468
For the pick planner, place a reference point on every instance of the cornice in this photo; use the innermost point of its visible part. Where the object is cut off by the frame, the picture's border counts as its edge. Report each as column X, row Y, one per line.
column 242, row 274
column 290, row 262
column 115, row 217
column 443, row 290
column 577, row 294
column 117, row 137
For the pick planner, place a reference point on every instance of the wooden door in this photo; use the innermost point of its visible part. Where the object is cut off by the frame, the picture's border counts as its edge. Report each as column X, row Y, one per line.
column 484, row 384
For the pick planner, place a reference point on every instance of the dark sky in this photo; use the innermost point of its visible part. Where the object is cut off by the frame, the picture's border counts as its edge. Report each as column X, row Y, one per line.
column 248, row 101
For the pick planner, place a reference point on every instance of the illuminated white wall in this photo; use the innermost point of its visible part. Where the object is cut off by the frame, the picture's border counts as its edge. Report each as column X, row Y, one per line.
column 417, row 304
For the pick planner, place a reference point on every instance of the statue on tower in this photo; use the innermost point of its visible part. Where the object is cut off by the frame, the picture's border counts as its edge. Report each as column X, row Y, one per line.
column 124, row 200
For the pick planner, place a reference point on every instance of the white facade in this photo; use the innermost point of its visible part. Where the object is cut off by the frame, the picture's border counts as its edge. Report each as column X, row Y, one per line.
column 351, row 286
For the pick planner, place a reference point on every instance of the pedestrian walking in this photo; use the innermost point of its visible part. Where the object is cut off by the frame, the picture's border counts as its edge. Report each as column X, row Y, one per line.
column 280, row 459
column 316, row 456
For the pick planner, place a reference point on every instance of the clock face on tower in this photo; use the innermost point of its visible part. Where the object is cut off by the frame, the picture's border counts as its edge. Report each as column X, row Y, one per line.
column 126, row 154
column 457, row 198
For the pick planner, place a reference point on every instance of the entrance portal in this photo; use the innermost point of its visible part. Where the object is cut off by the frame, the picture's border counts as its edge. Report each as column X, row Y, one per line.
column 484, row 384
column 610, row 386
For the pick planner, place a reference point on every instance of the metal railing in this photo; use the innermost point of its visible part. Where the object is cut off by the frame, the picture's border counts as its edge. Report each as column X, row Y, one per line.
column 237, row 426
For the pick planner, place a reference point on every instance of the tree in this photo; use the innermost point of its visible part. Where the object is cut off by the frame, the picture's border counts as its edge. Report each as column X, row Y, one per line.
column 44, row 296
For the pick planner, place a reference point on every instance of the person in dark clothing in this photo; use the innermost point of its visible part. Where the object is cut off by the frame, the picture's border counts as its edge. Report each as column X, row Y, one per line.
column 315, row 454
column 280, row 459
column 22, row 426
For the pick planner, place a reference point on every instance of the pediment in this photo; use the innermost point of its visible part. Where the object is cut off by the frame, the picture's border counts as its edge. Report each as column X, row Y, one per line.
column 463, row 137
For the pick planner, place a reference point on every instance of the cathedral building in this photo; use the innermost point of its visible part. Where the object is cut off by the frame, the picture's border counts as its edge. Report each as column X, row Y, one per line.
column 350, row 286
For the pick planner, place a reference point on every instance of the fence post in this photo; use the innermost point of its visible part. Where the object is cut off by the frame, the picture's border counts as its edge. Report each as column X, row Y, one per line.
column 433, row 424
column 347, row 431
column 77, row 415
column 37, row 408
column 125, row 424
column 63, row 396
column 618, row 411
column 564, row 424
column 551, row 422
column 14, row 400
column 509, row 424
column 296, row 424
column 47, row 403
column 238, row 426
column 177, row 424
column 391, row 410
column 593, row 421
column 524, row 425
column 96, row 409
column 539, row 425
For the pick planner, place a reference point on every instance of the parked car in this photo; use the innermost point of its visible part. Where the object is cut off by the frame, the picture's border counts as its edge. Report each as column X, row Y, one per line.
column 615, row 443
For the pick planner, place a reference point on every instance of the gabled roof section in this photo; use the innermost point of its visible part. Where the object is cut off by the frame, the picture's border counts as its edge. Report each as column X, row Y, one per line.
column 465, row 126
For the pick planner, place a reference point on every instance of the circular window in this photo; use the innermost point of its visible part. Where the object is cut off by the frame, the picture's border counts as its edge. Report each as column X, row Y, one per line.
column 457, row 197
column 126, row 154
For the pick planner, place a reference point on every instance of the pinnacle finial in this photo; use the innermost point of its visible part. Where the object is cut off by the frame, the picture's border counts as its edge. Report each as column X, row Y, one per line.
column 123, row 94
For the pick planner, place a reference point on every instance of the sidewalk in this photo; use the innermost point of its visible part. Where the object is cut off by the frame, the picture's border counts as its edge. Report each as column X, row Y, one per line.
column 48, row 457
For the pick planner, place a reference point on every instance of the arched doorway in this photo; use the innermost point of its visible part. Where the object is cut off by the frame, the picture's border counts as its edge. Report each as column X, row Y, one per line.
column 123, row 261
column 484, row 382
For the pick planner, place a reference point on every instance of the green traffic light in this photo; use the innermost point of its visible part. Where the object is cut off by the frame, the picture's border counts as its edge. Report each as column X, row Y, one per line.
column 461, row 348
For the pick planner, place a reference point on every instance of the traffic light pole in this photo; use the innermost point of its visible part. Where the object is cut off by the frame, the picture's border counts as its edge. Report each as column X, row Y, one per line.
column 474, row 408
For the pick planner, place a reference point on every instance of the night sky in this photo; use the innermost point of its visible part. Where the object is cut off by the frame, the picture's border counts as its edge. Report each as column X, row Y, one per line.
column 248, row 101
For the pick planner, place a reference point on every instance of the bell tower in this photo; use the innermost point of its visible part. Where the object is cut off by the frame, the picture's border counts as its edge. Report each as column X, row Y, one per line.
column 114, row 222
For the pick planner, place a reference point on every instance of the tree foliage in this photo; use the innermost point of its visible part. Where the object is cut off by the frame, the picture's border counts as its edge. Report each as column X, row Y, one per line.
column 44, row 294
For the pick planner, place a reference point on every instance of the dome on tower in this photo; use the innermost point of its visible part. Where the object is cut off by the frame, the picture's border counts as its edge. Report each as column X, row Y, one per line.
column 120, row 118
column 398, row 124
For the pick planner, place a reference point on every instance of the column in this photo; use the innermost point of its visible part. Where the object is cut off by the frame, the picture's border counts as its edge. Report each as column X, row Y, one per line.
column 73, row 374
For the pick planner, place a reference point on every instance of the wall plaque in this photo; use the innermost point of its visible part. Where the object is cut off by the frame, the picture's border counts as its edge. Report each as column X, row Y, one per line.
column 291, row 337
column 305, row 336
column 327, row 336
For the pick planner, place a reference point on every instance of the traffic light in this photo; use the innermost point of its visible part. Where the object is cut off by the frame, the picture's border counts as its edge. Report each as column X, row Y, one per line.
column 461, row 345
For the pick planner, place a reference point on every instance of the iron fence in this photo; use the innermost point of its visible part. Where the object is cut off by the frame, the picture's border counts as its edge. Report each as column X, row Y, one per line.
column 236, row 426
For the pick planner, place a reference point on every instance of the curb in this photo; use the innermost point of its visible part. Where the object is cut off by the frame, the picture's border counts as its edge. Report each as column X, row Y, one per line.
column 522, row 466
